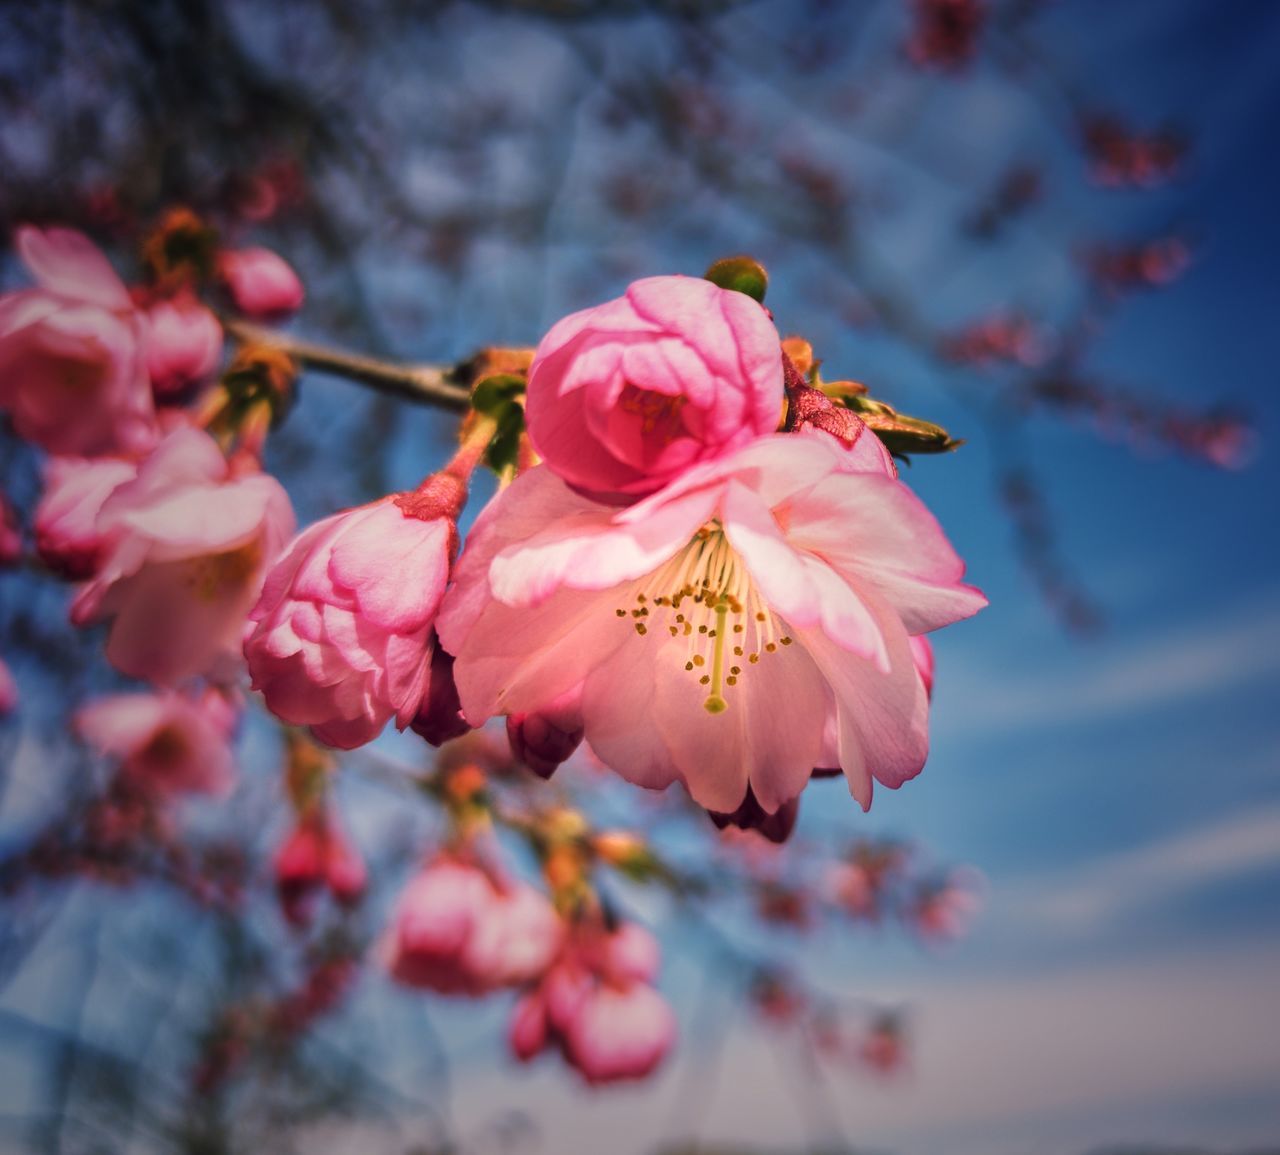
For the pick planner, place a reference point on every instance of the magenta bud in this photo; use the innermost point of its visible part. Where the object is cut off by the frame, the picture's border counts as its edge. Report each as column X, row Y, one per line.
column 776, row 827
column 439, row 718
column 542, row 741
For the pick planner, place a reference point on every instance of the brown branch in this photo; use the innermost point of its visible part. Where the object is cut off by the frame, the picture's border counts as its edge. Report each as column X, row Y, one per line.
column 441, row 385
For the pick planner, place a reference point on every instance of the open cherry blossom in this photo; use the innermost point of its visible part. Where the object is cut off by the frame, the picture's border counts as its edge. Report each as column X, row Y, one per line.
column 716, row 628
column 167, row 743
column 66, row 520
column 189, row 540
column 73, row 372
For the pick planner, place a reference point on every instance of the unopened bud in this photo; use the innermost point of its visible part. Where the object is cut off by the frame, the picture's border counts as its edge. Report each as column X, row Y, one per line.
column 439, row 719
column 618, row 846
column 541, row 741
column 563, row 867
column 776, row 827
column 180, row 250
column 258, row 375
column 741, row 274
column 261, row 283
column 466, row 783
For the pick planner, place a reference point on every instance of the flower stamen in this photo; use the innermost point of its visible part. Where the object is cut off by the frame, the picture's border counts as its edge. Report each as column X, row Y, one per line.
column 695, row 595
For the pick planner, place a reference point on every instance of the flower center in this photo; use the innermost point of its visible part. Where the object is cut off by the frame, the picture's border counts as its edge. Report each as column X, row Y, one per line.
column 705, row 595
column 166, row 747
column 216, row 575
column 658, row 412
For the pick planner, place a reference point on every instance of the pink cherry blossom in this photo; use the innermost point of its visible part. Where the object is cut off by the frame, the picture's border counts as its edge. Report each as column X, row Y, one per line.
column 717, row 627
column 317, row 855
column 459, row 929
column 624, row 397
column 73, row 374
column 184, row 343
column 66, row 519
column 943, row 908
column 343, row 634
column 188, row 542
column 261, row 283
column 597, row 1006
column 166, row 743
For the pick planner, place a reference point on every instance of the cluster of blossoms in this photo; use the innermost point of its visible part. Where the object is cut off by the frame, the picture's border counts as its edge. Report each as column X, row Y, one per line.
column 168, row 524
column 1154, row 264
column 1120, row 156
column 703, row 598
column 869, row 1038
column 1009, row 338
column 698, row 564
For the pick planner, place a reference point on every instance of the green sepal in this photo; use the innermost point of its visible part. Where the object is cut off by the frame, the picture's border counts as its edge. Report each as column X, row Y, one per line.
column 741, row 274
column 492, row 395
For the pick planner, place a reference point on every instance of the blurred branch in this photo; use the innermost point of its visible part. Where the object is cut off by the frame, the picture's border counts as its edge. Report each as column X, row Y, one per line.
column 437, row 385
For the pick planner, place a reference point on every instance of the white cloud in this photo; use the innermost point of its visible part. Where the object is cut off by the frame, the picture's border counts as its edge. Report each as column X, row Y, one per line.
column 1070, row 1060
column 1090, row 898
column 1163, row 670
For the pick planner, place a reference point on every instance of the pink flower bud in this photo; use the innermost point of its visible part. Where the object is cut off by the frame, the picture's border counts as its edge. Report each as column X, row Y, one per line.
column 624, row 397
column 620, row 1034
column 527, row 1033
column 261, row 283
column 317, row 855
column 342, row 641
column 632, row 954
column 942, row 909
column 596, row 1003
column 73, row 373
column 457, row 932
column 184, row 343
column 776, row 827
column 544, row 740
column 439, row 718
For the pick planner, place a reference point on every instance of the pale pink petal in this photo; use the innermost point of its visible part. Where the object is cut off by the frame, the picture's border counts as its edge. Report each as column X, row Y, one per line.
column 68, row 263
column 768, row 734
column 882, row 719
column 119, row 723
column 875, row 529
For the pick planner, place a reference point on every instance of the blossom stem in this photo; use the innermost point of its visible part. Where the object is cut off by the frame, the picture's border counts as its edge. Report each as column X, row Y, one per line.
column 443, row 386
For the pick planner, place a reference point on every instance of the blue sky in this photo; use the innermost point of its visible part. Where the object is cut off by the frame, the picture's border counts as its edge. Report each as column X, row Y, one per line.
column 1121, row 794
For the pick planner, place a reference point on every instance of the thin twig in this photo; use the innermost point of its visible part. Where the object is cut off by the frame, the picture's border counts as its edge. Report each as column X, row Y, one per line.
column 438, row 385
